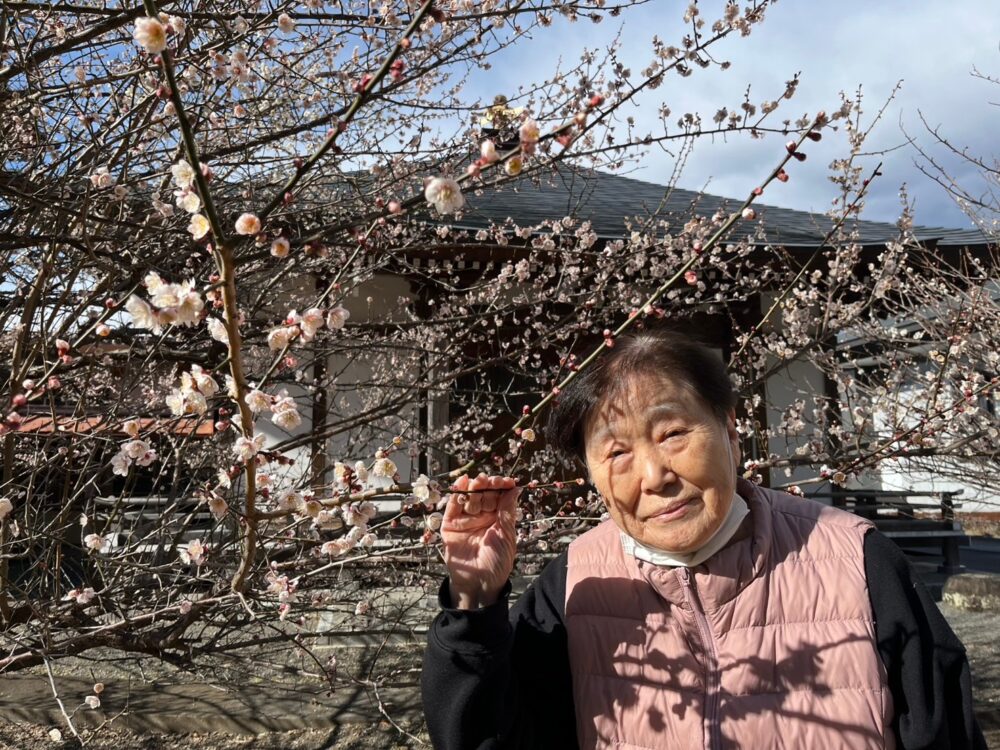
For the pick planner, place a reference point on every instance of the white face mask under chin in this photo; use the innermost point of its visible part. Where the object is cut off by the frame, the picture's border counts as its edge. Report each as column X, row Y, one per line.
column 738, row 510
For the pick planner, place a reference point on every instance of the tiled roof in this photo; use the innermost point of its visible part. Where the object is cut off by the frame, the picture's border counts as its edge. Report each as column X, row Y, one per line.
column 609, row 201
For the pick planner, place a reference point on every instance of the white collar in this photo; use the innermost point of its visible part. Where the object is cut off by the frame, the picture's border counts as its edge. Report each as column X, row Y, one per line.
column 738, row 510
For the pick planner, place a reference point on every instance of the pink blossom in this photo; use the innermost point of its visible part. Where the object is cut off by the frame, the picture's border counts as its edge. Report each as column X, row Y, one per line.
column 529, row 132
column 286, row 24
column 310, row 322
column 280, row 247
column 94, row 542
column 193, row 553
column 257, row 400
column 336, row 317
column 248, row 224
column 6, row 506
column 280, row 337
column 246, row 448
column 488, row 151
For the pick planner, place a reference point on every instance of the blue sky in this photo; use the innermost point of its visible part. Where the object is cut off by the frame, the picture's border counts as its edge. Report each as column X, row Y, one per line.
column 837, row 46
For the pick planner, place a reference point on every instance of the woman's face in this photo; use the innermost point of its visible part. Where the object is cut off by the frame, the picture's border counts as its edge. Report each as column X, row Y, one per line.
column 664, row 462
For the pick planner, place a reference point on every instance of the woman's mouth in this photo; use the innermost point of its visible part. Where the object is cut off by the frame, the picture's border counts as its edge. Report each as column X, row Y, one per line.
column 672, row 511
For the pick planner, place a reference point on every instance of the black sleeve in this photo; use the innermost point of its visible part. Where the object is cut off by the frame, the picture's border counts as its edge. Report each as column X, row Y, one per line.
column 493, row 680
column 928, row 671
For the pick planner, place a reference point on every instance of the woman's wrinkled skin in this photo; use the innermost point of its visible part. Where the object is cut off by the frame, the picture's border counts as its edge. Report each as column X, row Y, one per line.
column 664, row 462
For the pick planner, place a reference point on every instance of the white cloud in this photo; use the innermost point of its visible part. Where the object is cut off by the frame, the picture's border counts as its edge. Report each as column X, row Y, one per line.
column 837, row 47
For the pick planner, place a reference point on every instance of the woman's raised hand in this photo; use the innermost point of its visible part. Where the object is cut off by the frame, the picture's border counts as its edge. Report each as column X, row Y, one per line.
column 479, row 538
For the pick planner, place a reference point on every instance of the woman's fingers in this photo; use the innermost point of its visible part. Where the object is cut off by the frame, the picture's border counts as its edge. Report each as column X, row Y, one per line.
column 481, row 494
column 456, row 501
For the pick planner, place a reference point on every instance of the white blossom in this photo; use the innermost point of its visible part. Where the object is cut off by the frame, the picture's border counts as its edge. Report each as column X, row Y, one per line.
column 199, row 226
column 183, row 174
column 150, row 34
column 445, row 194
column 336, row 317
column 246, row 448
column 217, row 330
column 6, row 506
column 143, row 316
column 286, row 24
column 257, row 400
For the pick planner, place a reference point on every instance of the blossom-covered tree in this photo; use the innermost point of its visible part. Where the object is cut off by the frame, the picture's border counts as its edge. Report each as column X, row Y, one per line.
column 250, row 336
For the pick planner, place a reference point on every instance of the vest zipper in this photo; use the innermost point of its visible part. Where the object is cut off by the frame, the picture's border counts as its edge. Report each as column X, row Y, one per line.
column 713, row 740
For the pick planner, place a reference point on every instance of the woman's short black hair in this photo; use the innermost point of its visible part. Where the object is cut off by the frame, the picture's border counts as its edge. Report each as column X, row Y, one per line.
column 658, row 353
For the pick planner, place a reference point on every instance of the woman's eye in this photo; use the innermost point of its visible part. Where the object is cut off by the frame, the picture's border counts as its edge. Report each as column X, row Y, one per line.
column 672, row 434
column 616, row 452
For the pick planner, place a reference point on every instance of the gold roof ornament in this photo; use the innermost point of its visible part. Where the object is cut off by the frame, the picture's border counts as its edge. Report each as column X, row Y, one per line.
column 499, row 116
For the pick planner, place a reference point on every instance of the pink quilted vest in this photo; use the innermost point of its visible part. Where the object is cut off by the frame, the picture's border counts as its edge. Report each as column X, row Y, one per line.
column 769, row 644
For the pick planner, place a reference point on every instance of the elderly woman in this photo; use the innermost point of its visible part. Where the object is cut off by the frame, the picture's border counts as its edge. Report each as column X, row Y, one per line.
column 706, row 612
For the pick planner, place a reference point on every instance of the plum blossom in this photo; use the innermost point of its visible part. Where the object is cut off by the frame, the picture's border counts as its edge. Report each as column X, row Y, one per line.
column 92, row 701
column 101, row 178
column 335, row 547
column 218, row 506
column 528, row 435
column 248, row 224
column 217, row 330
column 310, row 322
column 120, row 464
column 340, row 473
column 81, row 596
column 193, row 553
column 488, row 151
column 183, row 174
column 286, row 412
column 280, row 247
column 6, row 506
column 445, row 194
column 257, row 400
column 336, row 317
column 433, row 521
column 426, row 490
column 199, row 226
column 150, row 34
column 513, row 166
column 286, row 24
column 246, row 448
column 529, row 132
column 142, row 314
column 383, row 472
column 281, row 337
column 288, row 500
column 361, row 471
column 188, row 201
column 95, row 542
column 170, row 304
column 284, row 589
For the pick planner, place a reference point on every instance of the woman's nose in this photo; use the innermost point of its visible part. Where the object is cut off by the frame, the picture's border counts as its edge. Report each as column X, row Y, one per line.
column 656, row 472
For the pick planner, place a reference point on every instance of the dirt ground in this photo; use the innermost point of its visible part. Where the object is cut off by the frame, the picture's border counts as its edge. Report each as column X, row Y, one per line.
column 364, row 729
